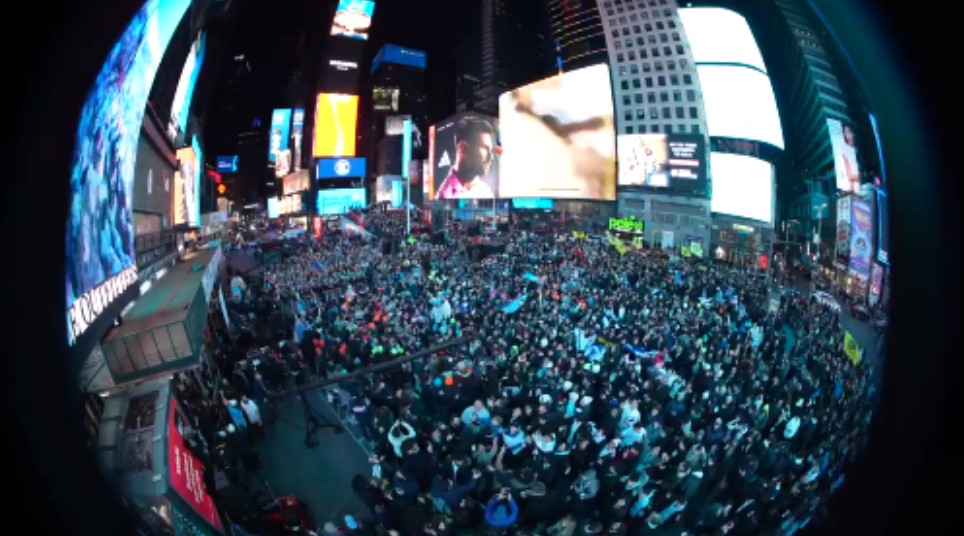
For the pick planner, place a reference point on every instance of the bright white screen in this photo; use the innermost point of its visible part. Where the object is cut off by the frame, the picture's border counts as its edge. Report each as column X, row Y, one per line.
column 742, row 186
column 740, row 104
column 719, row 35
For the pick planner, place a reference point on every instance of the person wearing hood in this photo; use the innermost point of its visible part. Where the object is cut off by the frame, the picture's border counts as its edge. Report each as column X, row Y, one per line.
column 502, row 511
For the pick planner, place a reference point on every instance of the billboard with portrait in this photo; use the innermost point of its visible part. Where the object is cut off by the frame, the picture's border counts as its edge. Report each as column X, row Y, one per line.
column 843, row 227
column 297, row 135
column 844, row 156
column 340, row 200
column 353, row 19
column 279, row 153
column 385, row 99
column 184, row 94
column 187, row 185
column 883, row 228
column 462, row 150
column 100, row 225
column 861, row 237
column 336, row 117
column 558, row 137
column 340, row 168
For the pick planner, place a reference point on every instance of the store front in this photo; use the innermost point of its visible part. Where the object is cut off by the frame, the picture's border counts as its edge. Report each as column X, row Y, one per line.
column 669, row 220
column 742, row 244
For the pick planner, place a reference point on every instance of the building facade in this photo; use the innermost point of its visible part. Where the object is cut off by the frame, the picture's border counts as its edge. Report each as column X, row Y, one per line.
column 396, row 88
column 576, row 35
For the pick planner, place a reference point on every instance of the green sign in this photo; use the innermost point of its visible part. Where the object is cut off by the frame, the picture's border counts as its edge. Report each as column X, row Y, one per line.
column 626, row 225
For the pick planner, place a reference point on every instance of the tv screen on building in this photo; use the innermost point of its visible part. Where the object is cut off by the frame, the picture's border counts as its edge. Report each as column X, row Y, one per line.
column 558, row 137
column 336, row 117
column 340, row 200
column 463, row 155
column 339, row 168
column 353, row 19
column 845, row 163
column 739, row 103
column 742, row 186
column 718, row 35
column 184, row 94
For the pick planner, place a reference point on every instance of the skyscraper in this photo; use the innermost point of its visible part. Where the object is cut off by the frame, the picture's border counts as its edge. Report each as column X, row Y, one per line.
column 576, row 35
column 396, row 89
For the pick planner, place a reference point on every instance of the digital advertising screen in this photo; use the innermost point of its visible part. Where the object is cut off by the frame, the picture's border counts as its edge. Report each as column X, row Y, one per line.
column 273, row 207
column 398, row 193
column 187, row 182
column 740, row 104
column 843, row 227
column 880, row 148
column 742, row 186
column 353, row 19
column 464, row 155
column 883, row 228
column 558, row 137
column 415, row 173
column 395, row 124
column 718, row 35
column 643, row 160
column 400, row 56
column 533, row 203
column 385, row 99
column 339, row 168
column 336, row 117
column 100, row 225
column 279, row 153
column 154, row 178
column 181, row 105
column 297, row 134
column 290, row 204
column 861, row 237
column 383, row 187
column 296, row 182
column 340, row 200
column 227, row 164
column 187, row 471
column 844, row 156
column 406, row 146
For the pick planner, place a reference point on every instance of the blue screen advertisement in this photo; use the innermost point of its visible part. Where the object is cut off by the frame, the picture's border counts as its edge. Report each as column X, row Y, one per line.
column 400, row 56
column 100, row 226
column 340, row 200
column 280, row 130
column 338, row 168
column 297, row 133
column 227, row 164
column 195, row 213
column 181, row 105
column 883, row 228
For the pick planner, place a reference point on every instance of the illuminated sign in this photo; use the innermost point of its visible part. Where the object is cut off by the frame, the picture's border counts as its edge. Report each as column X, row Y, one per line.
column 290, row 204
column 400, row 56
column 335, row 122
column 353, row 18
column 743, row 228
column 626, row 225
column 296, row 182
column 343, row 65
column 227, row 164
column 334, row 168
column 88, row 307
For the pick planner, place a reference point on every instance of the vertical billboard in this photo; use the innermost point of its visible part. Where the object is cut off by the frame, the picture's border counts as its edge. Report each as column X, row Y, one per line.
column 184, row 94
column 844, row 156
column 406, row 147
column 278, row 152
column 463, row 155
column 187, row 185
column 336, row 117
column 876, row 284
column 297, row 133
column 883, row 228
column 861, row 235
column 187, row 471
column 558, row 137
column 353, row 19
column 100, row 225
column 880, row 149
column 843, row 227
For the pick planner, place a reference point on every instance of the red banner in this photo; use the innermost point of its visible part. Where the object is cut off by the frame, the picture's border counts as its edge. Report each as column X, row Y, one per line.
column 186, row 472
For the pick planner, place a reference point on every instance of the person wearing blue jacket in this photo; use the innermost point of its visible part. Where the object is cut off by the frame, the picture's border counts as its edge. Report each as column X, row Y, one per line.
column 501, row 510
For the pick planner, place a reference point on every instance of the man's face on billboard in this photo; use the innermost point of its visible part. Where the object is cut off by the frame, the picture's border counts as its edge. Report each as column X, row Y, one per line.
column 475, row 155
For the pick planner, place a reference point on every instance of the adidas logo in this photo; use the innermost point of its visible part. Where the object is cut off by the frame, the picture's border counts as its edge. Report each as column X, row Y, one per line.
column 444, row 161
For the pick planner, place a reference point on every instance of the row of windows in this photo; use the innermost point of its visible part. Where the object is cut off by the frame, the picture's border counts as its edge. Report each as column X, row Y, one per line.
column 654, row 52
column 663, row 96
column 656, row 65
column 608, row 6
column 660, row 81
column 665, row 129
column 654, row 112
column 640, row 42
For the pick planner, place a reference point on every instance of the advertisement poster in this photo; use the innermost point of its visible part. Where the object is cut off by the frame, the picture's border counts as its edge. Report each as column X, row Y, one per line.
column 883, row 228
column 353, row 18
column 336, row 117
column 861, row 231
column 280, row 128
column 643, row 160
column 383, row 187
column 558, row 137
column 843, row 227
column 876, row 284
column 844, row 156
column 318, row 227
column 340, row 200
column 668, row 240
column 297, row 134
column 337, row 168
column 186, row 471
column 184, row 186
column 296, row 182
column 464, row 160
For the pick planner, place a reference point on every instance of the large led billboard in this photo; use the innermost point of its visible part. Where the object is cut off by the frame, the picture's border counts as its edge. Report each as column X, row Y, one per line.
column 353, row 19
column 385, row 99
column 336, row 116
column 340, row 168
column 462, row 150
column 406, row 147
column 861, row 237
column 740, row 104
column 400, row 56
column 718, row 35
column 181, row 105
column 227, row 164
column 742, row 186
column 395, row 124
column 558, row 137
column 662, row 161
column 186, row 208
column 883, row 228
column 383, row 187
column 297, row 134
column 100, row 225
column 295, row 182
column 340, row 200
column 844, row 156
column 279, row 153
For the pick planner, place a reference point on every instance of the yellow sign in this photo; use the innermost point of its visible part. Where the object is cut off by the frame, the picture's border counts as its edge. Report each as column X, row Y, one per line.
column 626, row 225
column 852, row 349
column 684, row 250
column 579, row 235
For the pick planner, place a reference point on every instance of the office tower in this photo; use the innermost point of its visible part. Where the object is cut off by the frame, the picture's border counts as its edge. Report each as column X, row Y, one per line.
column 396, row 90
column 576, row 36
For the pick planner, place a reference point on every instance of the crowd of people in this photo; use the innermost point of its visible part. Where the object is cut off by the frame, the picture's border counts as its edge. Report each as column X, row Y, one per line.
column 593, row 392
